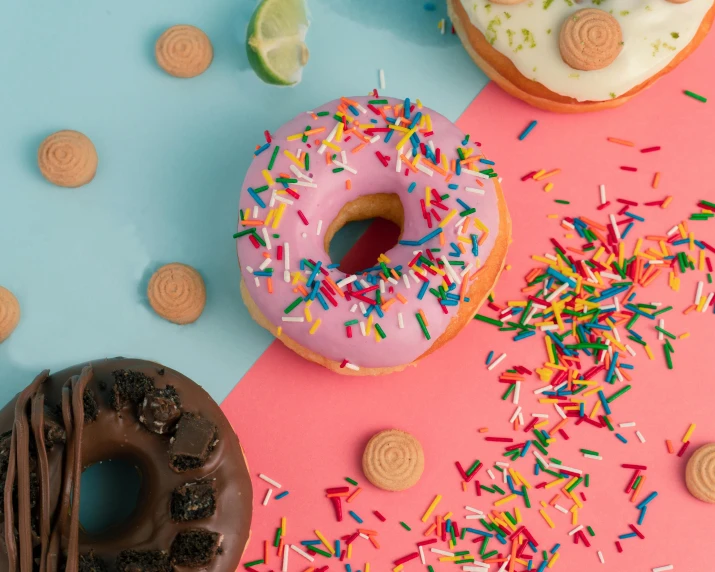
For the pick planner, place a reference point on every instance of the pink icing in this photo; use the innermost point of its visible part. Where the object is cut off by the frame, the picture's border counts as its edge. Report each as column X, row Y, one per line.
column 323, row 201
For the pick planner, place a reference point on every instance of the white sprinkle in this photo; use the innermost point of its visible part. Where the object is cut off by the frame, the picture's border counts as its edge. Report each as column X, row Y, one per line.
column 489, row 472
column 567, row 224
column 283, row 200
column 472, row 509
column 496, row 362
column 476, row 174
column 672, row 231
column 550, row 328
column 651, row 262
column 362, row 329
column 515, row 415
column 304, row 235
column 266, row 238
column 269, row 480
column 560, row 508
column 422, row 555
column 398, row 164
column 298, row 173
column 406, row 280
column 257, row 281
column 664, row 568
column 441, row 552
column 320, row 226
column 286, row 255
column 550, row 256
column 365, row 536
column 559, row 411
column 627, row 424
column 305, row 184
column 391, row 280
column 414, row 276
column 374, row 139
column 364, row 285
column 640, row 436
column 503, row 566
column 630, row 350
column 361, row 109
column 249, row 269
column 265, row 263
column 541, row 390
column 476, row 567
column 521, row 422
column 363, row 309
column 285, row 561
column 698, row 293
column 400, row 321
column 421, row 167
column 267, row 497
column 502, row 464
column 556, row 293
column 345, row 281
column 305, row 555
column 473, row 516
column 348, row 168
column 382, row 286
column 707, row 302
column 600, row 557
column 661, row 323
column 575, row 530
column 541, row 415
column 344, row 157
column 286, row 276
column 352, row 366
column 382, row 79
column 353, row 308
column 517, row 389
column 450, row 270
column 255, row 212
column 473, row 190
column 291, row 319
column 466, row 270
column 595, row 457
column 616, row 232
column 603, row 194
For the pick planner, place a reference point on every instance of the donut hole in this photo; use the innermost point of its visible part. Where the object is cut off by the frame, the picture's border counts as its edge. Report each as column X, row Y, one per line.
column 364, row 228
column 110, row 494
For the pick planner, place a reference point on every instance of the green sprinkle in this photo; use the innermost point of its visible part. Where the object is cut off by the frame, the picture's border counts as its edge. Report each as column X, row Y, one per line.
column 321, row 552
column 573, row 485
column 498, row 489
column 322, row 113
column 422, row 325
column 491, row 321
column 304, row 139
column 668, row 359
column 244, row 232
column 666, row 332
column 277, row 539
column 486, row 488
column 618, row 393
column 429, row 567
column 285, row 180
column 253, row 563
column 588, row 452
column 590, row 531
column 562, row 202
column 508, row 391
column 511, row 518
column 405, row 526
column 379, row 331
column 293, row 305
column 377, row 102
column 338, row 170
column 348, row 479
column 466, row 561
column 490, row 554
column 695, row 96
column 608, row 422
column 473, row 468
column 261, row 189
column 307, row 162
column 587, row 480
column 351, row 323
column 525, row 492
column 273, row 157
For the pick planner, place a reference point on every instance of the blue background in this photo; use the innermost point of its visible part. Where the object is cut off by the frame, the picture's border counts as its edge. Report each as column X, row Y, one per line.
column 172, row 155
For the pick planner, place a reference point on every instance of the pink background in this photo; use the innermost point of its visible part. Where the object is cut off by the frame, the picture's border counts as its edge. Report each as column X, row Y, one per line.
column 306, row 427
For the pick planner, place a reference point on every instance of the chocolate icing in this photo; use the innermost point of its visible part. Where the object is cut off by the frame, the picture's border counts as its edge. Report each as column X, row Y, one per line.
column 98, row 408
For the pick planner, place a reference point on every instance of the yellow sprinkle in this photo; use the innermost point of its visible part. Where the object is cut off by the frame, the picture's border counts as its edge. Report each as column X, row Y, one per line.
column 689, row 433
column 279, row 215
column 449, row 217
column 406, row 138
column 268, row 178
column 333, row 146
column 547, row 519
column 339, row 132
column 283, row 526
column 279, row 331
column 350, row 553
column 517, row 514
column 554, row 483
column 684, row 336
column 315, row 326
column 367, row 567
column 553, row 559
column 324, row 541
column 431, row 507
column 505, row 500
column 306, row 310
column 548, row 187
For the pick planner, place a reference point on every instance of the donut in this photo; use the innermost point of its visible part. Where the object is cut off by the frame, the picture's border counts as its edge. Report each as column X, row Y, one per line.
column 355, row 159
column 572, row 57
column 194, row 506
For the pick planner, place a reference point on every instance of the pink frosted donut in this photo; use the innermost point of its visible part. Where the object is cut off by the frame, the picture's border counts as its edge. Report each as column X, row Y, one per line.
column 354, row 159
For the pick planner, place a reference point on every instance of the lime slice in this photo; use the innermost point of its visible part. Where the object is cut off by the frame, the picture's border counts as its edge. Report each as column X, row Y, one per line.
column 275, row 41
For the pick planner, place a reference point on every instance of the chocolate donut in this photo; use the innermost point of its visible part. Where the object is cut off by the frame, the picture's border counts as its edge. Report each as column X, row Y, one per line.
column 194, row 506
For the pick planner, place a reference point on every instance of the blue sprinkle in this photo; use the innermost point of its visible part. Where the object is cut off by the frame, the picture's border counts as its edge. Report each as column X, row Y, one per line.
column 527, row 130
column 490, row 356
column 355, row 516
column 423, row 290
column 526, row 448
column 453, row 186
column 480, row 532
column 281, row 495
column 542, row 566
column 641, row 516
column 261, row 149
column 646, row 500
column 555, row 548
column 353, row 110
column 635, row 216
column 348, row 568
column 606, row 406
column 622, row 439
column 629, row 535
column 407, row 107
column 310, row 542
column 486, row 161
column 389, row 135
column 262, row 273
column 525, row 334
column 256, row 198
column 322, row 301
column 411, row 187
column 463, row 204
column 624, row 234
column 416, row 122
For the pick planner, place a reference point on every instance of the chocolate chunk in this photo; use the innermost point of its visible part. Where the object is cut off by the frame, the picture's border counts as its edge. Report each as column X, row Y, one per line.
column 195, row 547
column 129, row 387
column 54, row 431
column 91, row 409
column 193, row 501
column 194, row 440
column 143, row 561
column 90, row 562
column 160, row 410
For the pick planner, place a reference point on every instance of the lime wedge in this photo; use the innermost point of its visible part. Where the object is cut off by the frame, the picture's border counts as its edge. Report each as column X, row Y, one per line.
column 275, row 41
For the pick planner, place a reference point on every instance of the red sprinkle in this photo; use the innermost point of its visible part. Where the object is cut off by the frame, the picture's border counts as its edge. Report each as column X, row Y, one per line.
column 268, row 136
column 638, row 532
column 683, row 449
column 623, row 168
column 650, row 149
column 302, row 217
column 618, row 546
column 406, row 558
column 499, row 439
column 634, row 467
column 380, row 517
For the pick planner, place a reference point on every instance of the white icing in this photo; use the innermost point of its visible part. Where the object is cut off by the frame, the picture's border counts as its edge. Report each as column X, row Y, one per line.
column 649, row 43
